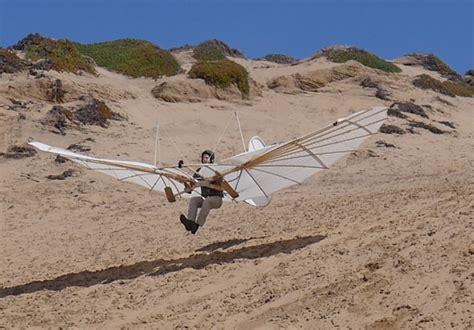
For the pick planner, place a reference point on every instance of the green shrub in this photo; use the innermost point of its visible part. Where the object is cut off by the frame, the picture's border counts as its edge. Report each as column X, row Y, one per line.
column 434, row 63
column 9, row 62
column 135, row 58
column 441, row 67
column 222, row 74
column 62, row 53
column 32, row 39
column 363, row 57
column 214, row 50
column 450, row 88
column 278, row 58
column 8, row 55
column 206, row 51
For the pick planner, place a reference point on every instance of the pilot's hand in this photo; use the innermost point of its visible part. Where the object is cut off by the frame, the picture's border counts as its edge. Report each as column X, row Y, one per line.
column 217, row 179
column 188, row 186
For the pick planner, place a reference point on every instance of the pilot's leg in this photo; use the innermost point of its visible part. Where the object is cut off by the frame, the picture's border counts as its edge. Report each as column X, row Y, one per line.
column 211, row 202
column 195, row 203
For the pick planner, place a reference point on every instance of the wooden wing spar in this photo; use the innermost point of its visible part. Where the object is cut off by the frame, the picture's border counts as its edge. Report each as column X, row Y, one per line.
column 250, row 175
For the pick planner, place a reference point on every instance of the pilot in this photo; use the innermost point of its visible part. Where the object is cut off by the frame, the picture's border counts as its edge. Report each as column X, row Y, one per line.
column 209, row 199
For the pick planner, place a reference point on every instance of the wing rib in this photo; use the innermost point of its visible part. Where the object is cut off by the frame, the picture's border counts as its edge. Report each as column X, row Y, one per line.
column 258, row 185
column 310, row 141
column 323, row 132
column 275, row 174
column 312, row 155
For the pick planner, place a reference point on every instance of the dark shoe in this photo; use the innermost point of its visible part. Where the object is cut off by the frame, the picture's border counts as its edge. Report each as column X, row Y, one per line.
column 188, row 224
column 185, row 222
column 194, row 227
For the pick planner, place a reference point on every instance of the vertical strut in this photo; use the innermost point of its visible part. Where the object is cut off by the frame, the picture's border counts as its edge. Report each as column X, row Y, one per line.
column 240, row 130
column 157, row 144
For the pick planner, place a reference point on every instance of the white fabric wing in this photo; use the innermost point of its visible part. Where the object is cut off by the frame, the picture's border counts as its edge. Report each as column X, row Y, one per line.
column 265, row 171
column 255, row 174
column 146, row 175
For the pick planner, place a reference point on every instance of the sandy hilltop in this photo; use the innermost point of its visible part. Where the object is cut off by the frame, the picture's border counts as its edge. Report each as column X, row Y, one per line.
column 382, row 240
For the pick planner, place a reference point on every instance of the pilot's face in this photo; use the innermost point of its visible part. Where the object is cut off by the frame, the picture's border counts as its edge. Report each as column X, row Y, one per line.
column 205, row 159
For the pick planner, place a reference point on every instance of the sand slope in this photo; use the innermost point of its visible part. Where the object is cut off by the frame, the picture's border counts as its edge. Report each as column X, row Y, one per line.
column 383, row 240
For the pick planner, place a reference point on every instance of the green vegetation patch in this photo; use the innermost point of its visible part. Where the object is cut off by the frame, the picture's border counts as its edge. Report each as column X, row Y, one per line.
column 8, row 56
column 279, row 58
column 222, row 74
column 434, row 63
column 62, row 53
column 207, row 51
column 214, row 50
column 363, row 57
column 132, row 57
column 9, row 62
column 450, row 88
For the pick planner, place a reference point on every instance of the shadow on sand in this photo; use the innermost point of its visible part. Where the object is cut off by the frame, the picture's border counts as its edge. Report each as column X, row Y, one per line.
column 225, row 245
column 162, row 266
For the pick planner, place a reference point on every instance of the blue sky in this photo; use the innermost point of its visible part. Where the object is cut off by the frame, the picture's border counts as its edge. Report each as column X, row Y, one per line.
column 298, row 28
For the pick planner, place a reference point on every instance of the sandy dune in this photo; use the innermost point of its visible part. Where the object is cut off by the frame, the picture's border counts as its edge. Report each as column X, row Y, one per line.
column 382, row 240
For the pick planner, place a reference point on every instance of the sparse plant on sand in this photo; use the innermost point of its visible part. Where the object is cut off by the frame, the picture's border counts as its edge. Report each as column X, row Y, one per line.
column 450, row 88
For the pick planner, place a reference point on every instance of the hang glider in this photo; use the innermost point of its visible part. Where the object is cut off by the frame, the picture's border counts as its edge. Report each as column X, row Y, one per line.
column 252, row 176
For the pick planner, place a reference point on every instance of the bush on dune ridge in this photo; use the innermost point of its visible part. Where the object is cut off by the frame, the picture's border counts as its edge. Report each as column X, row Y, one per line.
column 363, row 57
column 222, row 74
column 450, row 88
column 341, row 54
column 61, row 53
column 132, row 57
column 214, row 50
column 434, row 63
column 207, row 52
column 9, row 62
column 278, row 58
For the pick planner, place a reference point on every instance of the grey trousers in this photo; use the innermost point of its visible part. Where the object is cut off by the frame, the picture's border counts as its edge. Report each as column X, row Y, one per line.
column 211, row 202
